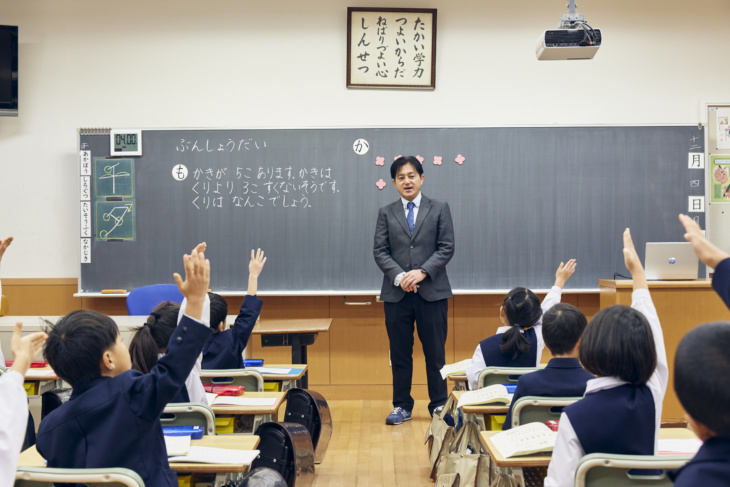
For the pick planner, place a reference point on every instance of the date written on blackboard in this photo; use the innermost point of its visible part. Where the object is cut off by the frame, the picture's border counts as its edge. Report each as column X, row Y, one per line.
column 246, row 187
column 229, row 145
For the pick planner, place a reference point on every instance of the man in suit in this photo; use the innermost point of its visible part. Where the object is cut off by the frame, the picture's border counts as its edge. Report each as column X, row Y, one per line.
column 414, row 240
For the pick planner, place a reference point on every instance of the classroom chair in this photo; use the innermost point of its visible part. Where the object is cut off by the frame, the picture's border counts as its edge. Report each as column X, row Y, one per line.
column 189, row 414
column 502, row 375
column 92, row 477
column 143, row 300
column 252, row 380
column 532, row 409
column 606, row 470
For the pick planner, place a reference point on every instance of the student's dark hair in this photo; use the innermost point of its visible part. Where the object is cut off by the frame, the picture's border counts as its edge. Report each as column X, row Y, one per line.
column 618, row 342
column 152, row 338
column 218, row 310
column 562, row 327
column 522, row 309
column 402, row 161
column 701, row 377
column 76, row 345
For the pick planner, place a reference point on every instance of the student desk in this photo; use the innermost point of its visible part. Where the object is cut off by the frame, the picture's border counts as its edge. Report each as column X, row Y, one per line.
column 460, row 382
column 297, row 333
column 516, row 464
column 486, row 411
column 296, row 372
column 31, row 457
column 261, row 414
column 681, row 305
column 45, row 377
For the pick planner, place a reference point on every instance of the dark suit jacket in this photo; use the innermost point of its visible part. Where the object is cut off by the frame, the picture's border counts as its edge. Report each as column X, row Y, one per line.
column 115, row 422
column 430, row 248
column 224, row 350
column 710, row 467
column 721, row 281
column 563, row 377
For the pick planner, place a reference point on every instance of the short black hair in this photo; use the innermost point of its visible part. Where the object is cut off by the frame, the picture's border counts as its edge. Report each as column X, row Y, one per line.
column 522, row 310
column 618, row 342
column 402, row 161
column 152, row 338
column 701, row 375
column 562, row 327
column 76, row 345
column 218, row 310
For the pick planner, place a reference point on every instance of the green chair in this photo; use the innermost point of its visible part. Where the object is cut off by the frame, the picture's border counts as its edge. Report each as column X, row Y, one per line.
column 537, row 409
column 92, row 477
column 502, row 375
column 189, row 414
column 252, row 380
column 606, row 470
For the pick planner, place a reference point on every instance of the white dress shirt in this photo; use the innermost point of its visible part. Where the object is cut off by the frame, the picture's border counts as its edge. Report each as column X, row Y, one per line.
column 13, row 422
column 417, row 203
column 477, row 361
column 568, row 450
column 194, row 385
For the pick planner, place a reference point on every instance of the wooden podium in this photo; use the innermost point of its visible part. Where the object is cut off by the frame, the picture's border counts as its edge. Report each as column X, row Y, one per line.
column 681, row 305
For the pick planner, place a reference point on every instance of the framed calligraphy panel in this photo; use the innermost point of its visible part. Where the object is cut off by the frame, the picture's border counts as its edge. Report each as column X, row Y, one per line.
column 391, row 48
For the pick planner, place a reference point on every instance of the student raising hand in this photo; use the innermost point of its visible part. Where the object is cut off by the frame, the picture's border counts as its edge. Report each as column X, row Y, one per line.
column 197, row 279
column 705, row 250
column 257, row 263
column 25, row 348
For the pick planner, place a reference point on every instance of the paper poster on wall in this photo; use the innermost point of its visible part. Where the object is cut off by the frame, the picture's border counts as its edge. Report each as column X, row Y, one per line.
column 720, row 179
column 723, row 128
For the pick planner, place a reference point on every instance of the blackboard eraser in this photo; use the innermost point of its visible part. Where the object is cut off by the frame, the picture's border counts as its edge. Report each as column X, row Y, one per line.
column 113, row 291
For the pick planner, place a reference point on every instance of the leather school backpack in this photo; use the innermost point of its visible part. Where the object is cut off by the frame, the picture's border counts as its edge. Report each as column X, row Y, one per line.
column 286, row 448
column 310, row 409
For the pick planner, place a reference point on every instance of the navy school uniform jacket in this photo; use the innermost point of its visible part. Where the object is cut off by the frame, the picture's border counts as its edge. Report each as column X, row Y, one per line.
column 225, row 350
column 563, row 377
column 710, row 467
column 721, row 281
column 115, row 422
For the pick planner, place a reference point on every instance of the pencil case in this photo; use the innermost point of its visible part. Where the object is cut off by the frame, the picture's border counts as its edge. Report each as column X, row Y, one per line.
column 253, row 362
column 224, row 390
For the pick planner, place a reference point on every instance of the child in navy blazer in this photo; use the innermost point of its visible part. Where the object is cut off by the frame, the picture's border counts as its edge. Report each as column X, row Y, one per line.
column 224, row 349
column 562, row 327
column 14, row 401
column 519, row 343
column 701, row 376
column 113, row 416
column 622, row 408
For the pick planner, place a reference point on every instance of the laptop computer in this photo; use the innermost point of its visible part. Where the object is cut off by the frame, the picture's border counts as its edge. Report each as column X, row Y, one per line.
column 670, row 261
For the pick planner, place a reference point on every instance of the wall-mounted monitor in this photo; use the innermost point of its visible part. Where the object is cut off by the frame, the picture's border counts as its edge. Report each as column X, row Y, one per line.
column 9, row 70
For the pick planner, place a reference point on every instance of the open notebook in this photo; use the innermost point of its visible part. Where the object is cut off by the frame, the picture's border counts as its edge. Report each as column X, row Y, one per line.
column 494, row 394
column 525, row 440
column 459, row 368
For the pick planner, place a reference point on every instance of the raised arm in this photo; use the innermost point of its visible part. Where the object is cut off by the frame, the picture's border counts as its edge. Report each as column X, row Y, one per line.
column 565, row 270
column 711, row 256
column 641, row 301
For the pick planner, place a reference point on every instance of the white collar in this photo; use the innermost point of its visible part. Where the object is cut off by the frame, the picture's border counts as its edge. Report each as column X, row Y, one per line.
column 603, row 383
column 416, row 201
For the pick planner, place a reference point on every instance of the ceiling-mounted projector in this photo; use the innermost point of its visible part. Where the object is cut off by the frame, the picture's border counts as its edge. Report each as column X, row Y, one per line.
column 573, row 39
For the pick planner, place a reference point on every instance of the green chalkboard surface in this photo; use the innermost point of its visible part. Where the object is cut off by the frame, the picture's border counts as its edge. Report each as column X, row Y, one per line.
column 522, row 199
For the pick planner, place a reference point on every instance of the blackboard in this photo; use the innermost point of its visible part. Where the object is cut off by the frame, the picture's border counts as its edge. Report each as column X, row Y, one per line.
column 522, row 200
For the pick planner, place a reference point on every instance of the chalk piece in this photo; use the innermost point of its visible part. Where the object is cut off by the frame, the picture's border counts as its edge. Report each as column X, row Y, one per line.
column 113, row 291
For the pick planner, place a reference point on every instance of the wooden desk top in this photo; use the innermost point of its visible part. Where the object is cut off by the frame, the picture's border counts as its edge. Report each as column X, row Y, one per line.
column 31, row 457
column 482, row 409
column 269, row 376
column 457, row 378
column 39, row 374
column 252, row 410
column 629, row 284
column 267, row 327
column 544, row 460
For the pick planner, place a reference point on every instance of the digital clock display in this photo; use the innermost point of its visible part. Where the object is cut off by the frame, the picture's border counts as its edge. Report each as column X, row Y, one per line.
column 125, row 142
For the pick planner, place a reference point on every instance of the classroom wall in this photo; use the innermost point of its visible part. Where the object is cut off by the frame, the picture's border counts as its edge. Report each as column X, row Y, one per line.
column 236, row 63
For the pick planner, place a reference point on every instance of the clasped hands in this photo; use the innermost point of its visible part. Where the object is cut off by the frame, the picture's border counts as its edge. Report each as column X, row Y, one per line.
column 411, row 279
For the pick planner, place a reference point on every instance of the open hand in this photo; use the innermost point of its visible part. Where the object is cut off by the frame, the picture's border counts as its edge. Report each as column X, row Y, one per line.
column 257, row 263
column 564, row 272
column 710, row 255
column 4, row 244
column 25, row 348
column 197, row 275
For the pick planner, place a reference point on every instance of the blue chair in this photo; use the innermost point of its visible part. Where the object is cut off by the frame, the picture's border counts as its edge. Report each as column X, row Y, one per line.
column 143, row 300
